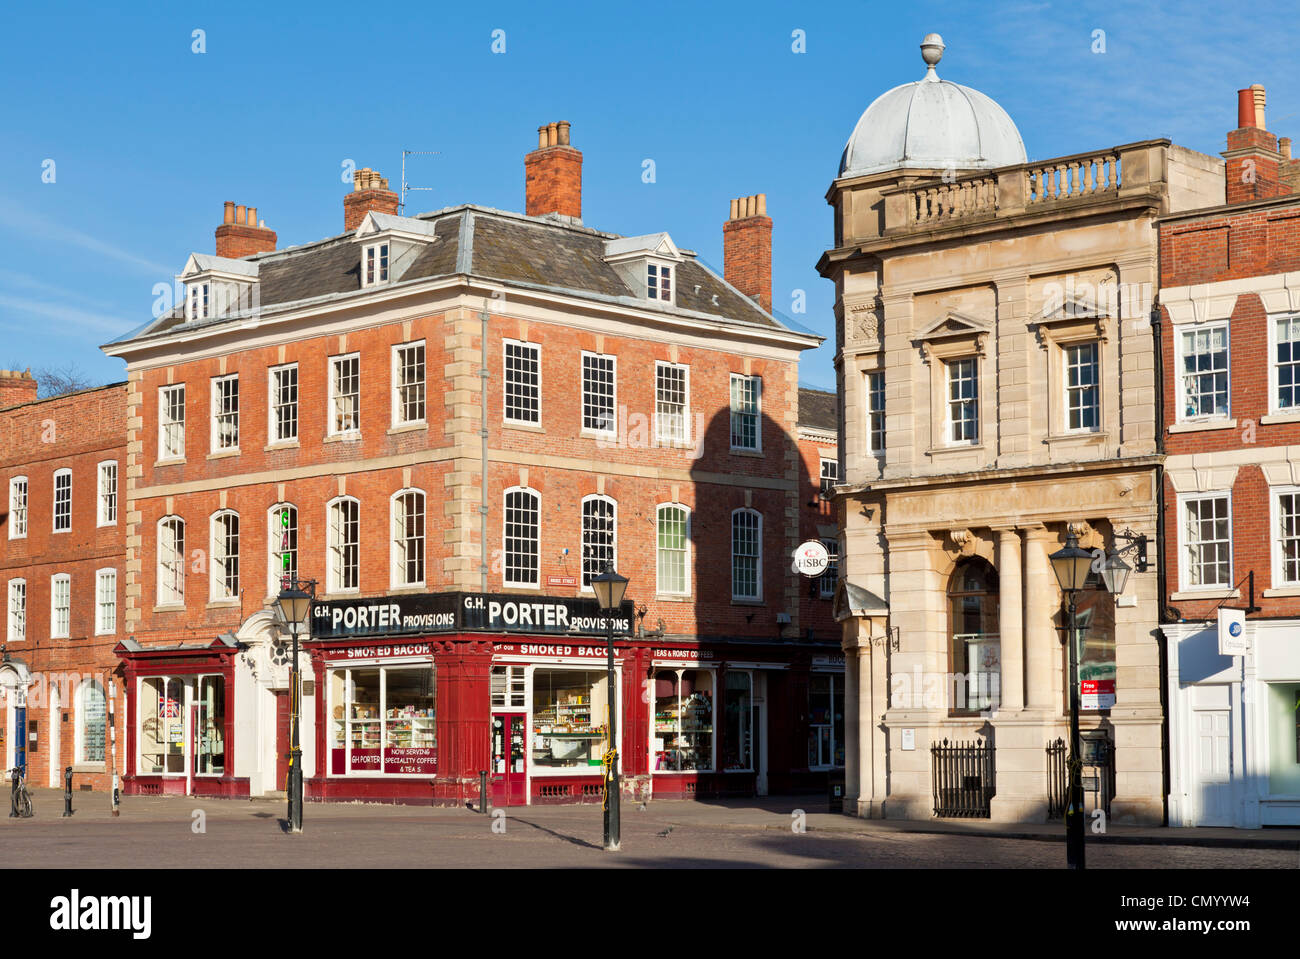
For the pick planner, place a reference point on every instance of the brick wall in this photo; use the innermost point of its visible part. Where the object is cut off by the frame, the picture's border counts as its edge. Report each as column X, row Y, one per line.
column 74, row 432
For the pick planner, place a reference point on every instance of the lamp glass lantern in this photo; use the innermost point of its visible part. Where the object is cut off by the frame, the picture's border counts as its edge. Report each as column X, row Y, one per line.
column 1115, row 573
column 294, row 604
column 1071, row 564
column 609, row 587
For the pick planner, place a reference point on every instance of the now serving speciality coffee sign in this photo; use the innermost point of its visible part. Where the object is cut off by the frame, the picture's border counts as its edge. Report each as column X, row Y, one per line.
column 465, row 612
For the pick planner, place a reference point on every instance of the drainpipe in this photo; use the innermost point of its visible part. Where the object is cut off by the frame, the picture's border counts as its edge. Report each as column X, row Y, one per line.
column 1162, row 641
column 483, row 437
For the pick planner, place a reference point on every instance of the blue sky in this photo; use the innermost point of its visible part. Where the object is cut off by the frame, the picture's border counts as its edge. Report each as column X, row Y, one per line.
column 148, row 138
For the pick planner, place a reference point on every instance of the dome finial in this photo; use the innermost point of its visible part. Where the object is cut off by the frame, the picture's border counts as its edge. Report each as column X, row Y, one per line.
column 932, row 52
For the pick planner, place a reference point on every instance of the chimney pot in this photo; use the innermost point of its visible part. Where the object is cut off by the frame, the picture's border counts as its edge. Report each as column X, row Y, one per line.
column 241, row 213
column 1258, row 90
column 552, row 134
column 1245, row 108
column 252, row 216
column 564, row 132
column 541, row 137
column 1284, row 144
column 228, row 216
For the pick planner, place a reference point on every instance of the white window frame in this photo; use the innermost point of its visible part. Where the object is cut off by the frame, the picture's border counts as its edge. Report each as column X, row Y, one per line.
column 334, row 549
column 332, row 409
column 105, row 601
column 19, row 514
column 399, row 405
column 274, row 565
column 834, row 464
column 215, row 419
column 79, row 731
column 757, row 412
column 1273, row 405
column 825, row 583
column 16, row 612
column 1275, row 494
column 60, row 582
column 398, row 540
column 376, row 263
column 1184, row 568
column 871, row 411
column 1067, row 390
column 198, row 300
column 1180, row 384
column 949, row 367
column 219, row 571
column 612, row 428
column 665, row 275
column 686, row 552
column 661, row 435
column 169, row 593
column 106, row 500
column 613, row 505
column 55, row 505
column 273, row 406
column 536, row 348
column 758, row 581
column 165, row 455
column 505, row 538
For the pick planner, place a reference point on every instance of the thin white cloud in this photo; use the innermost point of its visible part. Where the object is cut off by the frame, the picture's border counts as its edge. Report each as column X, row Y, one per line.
column 34, row 224
column 83, row 319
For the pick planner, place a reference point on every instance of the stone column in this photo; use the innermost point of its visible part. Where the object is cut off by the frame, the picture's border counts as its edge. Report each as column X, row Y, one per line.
column 851, row 741
column 867, row 798
column 1010, row 620
column 1041, row 643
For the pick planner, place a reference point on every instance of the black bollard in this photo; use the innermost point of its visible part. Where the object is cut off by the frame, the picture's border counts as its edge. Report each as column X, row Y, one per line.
column 482, row 791
column 67, row 791
column 13, row 793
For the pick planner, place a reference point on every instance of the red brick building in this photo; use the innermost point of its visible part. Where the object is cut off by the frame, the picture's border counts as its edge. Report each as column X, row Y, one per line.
column 452, row 422
column 61, row 571
column 1230, row 341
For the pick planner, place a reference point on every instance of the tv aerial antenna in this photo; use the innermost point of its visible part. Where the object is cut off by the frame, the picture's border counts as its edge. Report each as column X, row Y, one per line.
column 406, row 187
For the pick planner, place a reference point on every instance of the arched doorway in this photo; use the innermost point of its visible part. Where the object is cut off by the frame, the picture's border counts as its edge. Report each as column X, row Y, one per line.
column 974, row 685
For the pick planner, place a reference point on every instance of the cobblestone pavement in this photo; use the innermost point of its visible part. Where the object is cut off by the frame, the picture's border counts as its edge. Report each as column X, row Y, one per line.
column 160, row 831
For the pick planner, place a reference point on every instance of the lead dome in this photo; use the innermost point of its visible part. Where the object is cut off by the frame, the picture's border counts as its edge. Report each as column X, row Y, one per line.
column 932, row 124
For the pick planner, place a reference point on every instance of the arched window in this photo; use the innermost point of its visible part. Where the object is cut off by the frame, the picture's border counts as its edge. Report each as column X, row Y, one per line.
column 599, row 524
column 344, row 545
column 975, row 662
column 90, row 722
column 282, row 545
column 171, row 561
column 408, row 538
column 746, row 554
column 672, row 542
column 522, row 535
column 225, row 555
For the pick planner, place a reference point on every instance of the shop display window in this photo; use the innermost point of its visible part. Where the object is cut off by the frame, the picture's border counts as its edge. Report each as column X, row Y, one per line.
column 738, row 723
column 383, row 720
column 162, row 726
column 825, row 720
column 681, row 739
column 1283, row 738
column 569, row 720
column 210, row 736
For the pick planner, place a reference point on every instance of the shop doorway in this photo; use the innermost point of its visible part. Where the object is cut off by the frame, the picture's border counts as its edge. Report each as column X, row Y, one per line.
column 281, row 740
column 1214, row 764
column 509, row 772
column 760, row 740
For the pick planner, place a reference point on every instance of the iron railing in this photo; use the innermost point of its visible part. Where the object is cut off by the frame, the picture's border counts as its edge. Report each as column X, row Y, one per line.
column 963, row 779
column 1058, row 784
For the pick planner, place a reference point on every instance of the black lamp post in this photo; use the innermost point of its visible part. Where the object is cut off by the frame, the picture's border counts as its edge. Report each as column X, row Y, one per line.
column 1071, row 565
column 609, row 588
column 294, row 603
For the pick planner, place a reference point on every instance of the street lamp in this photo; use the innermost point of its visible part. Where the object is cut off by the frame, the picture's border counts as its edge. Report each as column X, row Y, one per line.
column 1071, row 565
column 294, row 604
column 609, row 588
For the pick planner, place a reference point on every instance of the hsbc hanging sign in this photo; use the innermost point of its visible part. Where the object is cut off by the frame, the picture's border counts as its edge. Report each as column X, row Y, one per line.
column 465, row 612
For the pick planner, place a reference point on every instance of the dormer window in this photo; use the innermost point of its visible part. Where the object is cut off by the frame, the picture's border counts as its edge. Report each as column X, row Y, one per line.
column 376, row 264
column 659, row 282
column 200, row 301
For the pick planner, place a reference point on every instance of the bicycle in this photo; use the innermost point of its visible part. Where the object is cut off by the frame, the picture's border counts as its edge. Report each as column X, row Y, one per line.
column 20, row 797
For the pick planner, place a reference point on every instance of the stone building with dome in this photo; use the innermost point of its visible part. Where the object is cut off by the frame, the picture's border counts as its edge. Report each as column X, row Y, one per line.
column 997, row 367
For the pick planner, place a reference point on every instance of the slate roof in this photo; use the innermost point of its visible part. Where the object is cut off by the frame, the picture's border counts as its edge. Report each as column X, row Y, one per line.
column 537, row 252
column 818, row 409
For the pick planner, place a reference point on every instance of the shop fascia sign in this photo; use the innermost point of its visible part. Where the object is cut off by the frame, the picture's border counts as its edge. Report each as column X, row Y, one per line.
column 465, row 612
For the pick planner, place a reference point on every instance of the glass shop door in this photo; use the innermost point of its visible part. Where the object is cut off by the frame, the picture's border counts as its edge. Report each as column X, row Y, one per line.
column 509, row 777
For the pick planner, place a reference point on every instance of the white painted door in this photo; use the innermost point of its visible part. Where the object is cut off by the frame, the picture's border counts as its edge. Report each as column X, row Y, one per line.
column 1214, row 767
column 56, row 766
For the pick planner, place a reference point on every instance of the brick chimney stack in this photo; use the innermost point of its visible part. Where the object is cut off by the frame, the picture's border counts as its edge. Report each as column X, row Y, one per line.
column 553, row 174
column 240, row 234
column 747, row 249
column 369, row 192
column 16, row 387
column 1256, row 167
